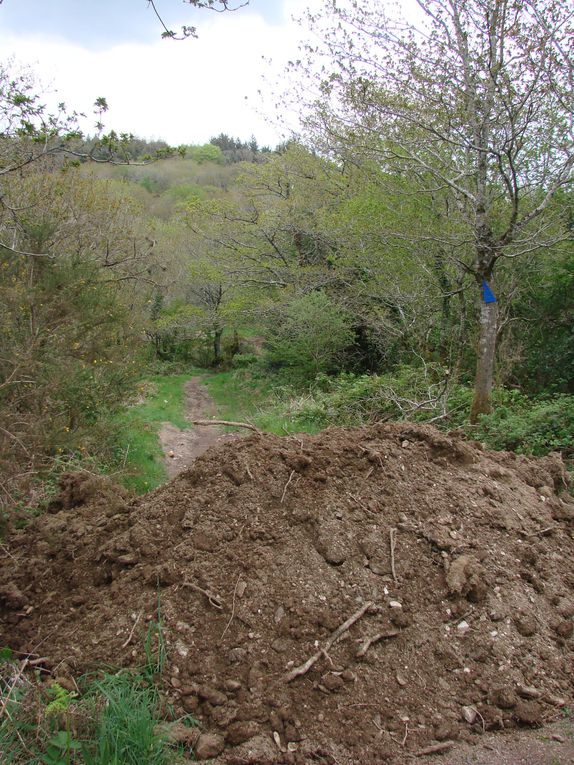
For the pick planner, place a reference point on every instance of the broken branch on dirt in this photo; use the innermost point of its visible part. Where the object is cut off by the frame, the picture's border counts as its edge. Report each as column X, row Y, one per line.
column 302, row 669
column 286, row 485
column 542, row 531
column 228, row 625
column 393, row 569
column 368, row 642
column 435, row 749
column 229, row 423
column 130, row 636
column 404, row 741
column 213, row 599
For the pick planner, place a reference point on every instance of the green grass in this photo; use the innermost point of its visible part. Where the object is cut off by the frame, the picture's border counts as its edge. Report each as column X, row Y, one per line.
column 248, row 331
column 125, row 732
column 239, row 395
column 141, row 456
column 115, row 721
column 246, row 397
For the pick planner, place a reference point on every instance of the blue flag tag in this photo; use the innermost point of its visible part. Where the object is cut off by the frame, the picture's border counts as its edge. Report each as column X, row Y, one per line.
column 487, row 293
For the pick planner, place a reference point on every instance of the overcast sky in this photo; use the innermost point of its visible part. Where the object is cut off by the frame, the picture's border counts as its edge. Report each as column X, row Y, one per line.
column 183, row 92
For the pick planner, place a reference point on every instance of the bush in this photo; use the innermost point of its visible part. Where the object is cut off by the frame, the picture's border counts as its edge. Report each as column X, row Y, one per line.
column 417, row 393
column 530, row 426
column 244, row 360
column 308, row 335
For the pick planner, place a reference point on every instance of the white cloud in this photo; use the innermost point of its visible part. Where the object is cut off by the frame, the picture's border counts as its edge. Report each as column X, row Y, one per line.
column 183, row 92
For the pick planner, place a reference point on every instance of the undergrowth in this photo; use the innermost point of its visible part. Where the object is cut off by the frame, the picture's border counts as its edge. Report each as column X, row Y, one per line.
column 107, row 719
column 422, row 394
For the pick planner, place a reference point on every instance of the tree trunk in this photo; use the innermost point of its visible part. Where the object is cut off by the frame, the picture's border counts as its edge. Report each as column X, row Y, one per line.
column 481, row 403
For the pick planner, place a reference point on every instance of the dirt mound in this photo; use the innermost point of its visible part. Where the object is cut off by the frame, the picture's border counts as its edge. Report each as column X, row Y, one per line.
column 351, row 597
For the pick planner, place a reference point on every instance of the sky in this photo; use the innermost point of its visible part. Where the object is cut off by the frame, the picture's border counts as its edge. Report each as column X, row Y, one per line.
column 181, row 92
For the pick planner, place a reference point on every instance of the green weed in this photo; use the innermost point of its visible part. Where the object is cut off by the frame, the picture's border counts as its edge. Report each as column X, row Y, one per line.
column 155, row 647
column 115, row 722
column 126, row 731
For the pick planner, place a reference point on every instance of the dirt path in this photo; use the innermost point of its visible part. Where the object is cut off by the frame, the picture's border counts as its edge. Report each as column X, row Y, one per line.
column 183, row 447
column 551, row 745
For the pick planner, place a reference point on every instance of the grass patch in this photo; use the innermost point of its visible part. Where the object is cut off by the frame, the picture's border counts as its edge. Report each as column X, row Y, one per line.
column 243, row 396
column 139, row 451
column 240, row 395
column 126, row 729
column 116, row 720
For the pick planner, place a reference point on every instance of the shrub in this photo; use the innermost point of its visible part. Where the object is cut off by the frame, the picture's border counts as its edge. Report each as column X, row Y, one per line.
column 530, row 426
column 308, row 335
column 422, row 394
column 417, row 393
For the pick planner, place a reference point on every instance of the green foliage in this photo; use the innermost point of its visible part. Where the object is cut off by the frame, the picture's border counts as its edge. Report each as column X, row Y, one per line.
column 36, row 725
column 114, row 722
column 308, row 334
column 206, row 153
column 60, row 749
column 417, row 393
column 60, row 700
column 530, row 426
column 548, row 333
column 186, row 192
column 244, row 360
column 153, row 183
column 155, row 646
column 252, row 395
column 422, row 394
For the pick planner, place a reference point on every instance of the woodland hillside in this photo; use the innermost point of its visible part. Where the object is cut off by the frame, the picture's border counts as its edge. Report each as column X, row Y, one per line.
column 115, row 269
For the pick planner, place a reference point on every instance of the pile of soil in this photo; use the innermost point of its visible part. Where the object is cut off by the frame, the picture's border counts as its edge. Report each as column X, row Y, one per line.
column 352, row 597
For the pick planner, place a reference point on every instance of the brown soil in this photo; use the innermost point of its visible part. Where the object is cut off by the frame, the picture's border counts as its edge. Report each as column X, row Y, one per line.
column 183, row 447
column 267, row 546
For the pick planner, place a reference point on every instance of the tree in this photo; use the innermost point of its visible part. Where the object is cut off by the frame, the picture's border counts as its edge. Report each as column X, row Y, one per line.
column 473, row 104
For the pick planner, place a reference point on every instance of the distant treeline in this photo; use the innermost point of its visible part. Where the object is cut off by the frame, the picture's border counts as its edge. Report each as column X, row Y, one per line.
column 222, row 149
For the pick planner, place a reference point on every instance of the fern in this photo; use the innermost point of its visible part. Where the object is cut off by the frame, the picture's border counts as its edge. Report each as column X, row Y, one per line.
column 61, row 700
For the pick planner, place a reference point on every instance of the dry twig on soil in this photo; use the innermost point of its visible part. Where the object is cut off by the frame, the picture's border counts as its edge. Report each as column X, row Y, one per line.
column 542, row 531
column 404, row 741
column 368, row 642
column 228, row 423
column 228, row 625
column 130, row 636
column 286, row 485
column 302, row 669
column 435, row 749
column 393, row 569
column 213, row 599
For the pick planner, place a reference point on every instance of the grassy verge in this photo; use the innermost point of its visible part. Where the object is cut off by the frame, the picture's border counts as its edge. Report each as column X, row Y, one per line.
column 245, row 397
column 239, row 395
column 139, row 451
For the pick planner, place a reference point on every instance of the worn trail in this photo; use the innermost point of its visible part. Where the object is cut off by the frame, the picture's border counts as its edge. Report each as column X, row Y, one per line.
column 182, row 447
